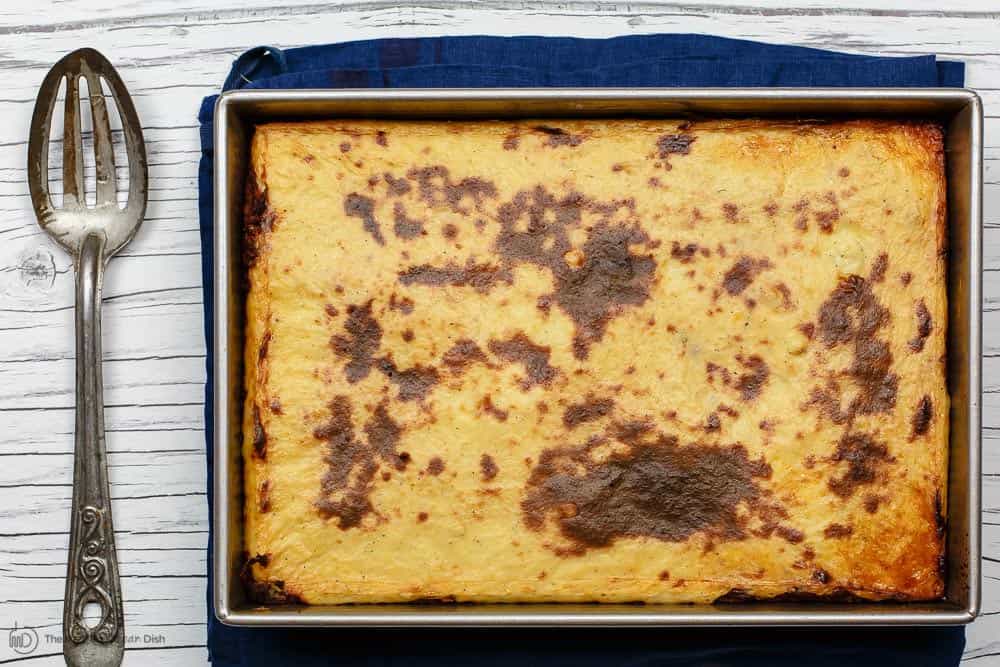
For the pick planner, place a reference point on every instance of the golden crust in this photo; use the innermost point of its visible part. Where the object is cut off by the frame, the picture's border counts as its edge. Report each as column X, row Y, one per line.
column 595, row 360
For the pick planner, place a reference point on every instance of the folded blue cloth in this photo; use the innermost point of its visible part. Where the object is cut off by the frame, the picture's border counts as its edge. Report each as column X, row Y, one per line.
column 484, row 62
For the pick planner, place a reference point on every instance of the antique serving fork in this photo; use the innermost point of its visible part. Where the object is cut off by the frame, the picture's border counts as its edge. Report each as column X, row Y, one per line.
column 91, row 235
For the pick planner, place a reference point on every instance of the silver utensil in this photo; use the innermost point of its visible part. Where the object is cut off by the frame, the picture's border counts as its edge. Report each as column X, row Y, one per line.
column 91, row 235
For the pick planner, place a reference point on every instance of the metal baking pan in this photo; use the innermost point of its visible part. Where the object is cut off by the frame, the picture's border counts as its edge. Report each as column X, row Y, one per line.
column 959, row 111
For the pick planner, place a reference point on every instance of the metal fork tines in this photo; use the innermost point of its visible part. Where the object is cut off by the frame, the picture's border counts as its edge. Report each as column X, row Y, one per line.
column 75, row 219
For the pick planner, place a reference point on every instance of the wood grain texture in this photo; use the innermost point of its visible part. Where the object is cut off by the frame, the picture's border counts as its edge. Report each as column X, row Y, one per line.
column 173, row 52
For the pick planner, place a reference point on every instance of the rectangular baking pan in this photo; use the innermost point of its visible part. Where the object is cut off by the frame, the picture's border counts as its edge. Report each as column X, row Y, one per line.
column 960, row 113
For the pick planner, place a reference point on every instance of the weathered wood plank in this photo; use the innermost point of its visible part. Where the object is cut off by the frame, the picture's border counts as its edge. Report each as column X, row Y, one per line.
column 172, row 53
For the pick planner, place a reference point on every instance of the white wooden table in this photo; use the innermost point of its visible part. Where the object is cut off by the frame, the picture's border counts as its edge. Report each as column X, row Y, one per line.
column 171, row 53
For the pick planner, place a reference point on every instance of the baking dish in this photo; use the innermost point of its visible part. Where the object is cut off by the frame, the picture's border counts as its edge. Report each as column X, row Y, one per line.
column 959, row 112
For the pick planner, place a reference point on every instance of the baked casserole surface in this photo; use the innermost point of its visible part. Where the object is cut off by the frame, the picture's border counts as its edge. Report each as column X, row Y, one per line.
column 619, row 360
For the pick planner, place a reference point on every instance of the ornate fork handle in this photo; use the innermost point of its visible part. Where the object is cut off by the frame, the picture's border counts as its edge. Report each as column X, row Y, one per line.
column 92, row 574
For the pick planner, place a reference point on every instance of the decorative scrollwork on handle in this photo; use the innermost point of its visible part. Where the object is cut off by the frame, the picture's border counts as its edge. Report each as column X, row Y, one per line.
column 91, row 580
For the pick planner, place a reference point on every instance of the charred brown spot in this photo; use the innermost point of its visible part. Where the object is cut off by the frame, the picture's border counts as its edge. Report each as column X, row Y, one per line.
column 663, row 576
column 864, row 457
column 656, row 489
column 404, row 226
column 906, row 278
column 534, row 358
column 683, row 253
column 790, row 535
column 345, row 146
column 556, row 136
column 852, row 314
column 397, row 186
column 364, row 334
column 821, row 576
column 438, row 600
column 837, row 531
column 825, row 219
column 844, row 172
column 487, row 406
column 673, row 144
column 741, row 596
column 771, row 209
column 511, row 142
column 589, row 410
column 404, row 305
column 383, row 436
column 351, row 468
column 879, row 267
column 712, row 423
column 412, row 384
column 450, row 231
column 481, row 277
column 712, row 370
column 362, row 207
column 381, row 139
column 871, row 503
column 331, row 310
column 731, row 211
column 786, row 296
column 422, row 517
column 463, row 353
column 728, row 410
column 751, row 383
column 631, row 432
column 264, row 497
column 408, row 335
column 258, row 220
column 259, row 436
column 275, row 406
column 800, row 207
column 265, row 342
column 808, row 330
column 435, row 466
column 940, row 520
column 924, row 327
column 488, row 467
column 265, row 591
column 605, row 275
column 618, row 166
column 743, row 273
column 920, row 423
column 438, row 189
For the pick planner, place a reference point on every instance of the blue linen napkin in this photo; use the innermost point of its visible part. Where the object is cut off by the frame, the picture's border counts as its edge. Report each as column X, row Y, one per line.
column 482, row 62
